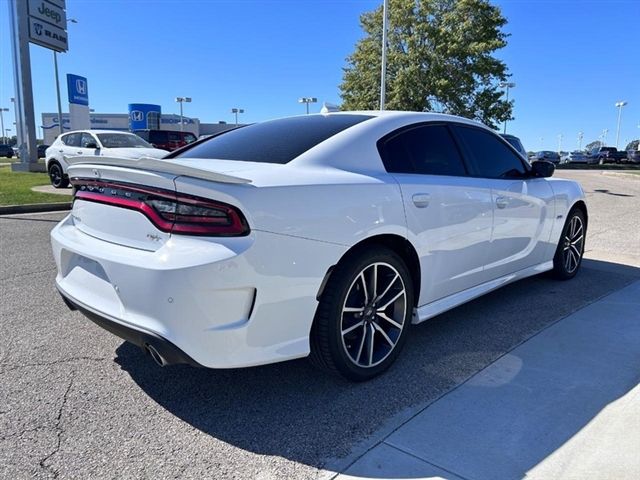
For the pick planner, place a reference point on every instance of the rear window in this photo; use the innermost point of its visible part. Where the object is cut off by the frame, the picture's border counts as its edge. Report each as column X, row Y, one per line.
column 275, row 141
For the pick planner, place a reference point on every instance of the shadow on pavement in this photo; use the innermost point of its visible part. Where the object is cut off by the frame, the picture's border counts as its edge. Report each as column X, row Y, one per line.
column 293, row 411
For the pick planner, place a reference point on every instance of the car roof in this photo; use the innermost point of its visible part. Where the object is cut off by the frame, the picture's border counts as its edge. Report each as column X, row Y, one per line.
column 98, row 131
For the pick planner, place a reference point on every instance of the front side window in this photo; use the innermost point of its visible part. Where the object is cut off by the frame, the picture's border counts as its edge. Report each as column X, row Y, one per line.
column 425, row 149
column 491, row 157
column 87, row 139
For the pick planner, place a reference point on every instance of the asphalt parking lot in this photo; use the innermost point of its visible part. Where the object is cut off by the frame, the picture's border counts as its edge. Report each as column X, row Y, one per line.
column 77, row 402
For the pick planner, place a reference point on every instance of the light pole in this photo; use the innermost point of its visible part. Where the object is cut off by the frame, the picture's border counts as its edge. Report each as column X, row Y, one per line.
column 541, row 143
column 383, row 70
column 580, row 136
column 2, row 121
column 55, row 66
column 237, row 111
column 182, row 100
column 506, row 85
column 619, row 105
column 559, row 143
column 307, row 101
column 604, row 137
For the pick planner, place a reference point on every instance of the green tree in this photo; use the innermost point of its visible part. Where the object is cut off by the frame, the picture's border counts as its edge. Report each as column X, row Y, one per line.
column 590, row 146
column 633, row 145
column 439, row 58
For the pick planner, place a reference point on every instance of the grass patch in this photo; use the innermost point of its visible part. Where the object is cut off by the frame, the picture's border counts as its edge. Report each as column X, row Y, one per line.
column 15, row 188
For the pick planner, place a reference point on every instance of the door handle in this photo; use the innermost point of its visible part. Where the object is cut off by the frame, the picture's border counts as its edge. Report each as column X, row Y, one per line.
column 421, row 200
column 502, row 202
column 79, row 153
column 61, row 151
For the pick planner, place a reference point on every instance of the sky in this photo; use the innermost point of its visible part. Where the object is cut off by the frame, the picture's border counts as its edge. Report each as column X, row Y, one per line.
column 571, row 60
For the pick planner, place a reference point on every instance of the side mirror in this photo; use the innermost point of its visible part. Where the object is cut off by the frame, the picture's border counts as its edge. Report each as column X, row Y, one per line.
column 542, row 168
column 93, row 145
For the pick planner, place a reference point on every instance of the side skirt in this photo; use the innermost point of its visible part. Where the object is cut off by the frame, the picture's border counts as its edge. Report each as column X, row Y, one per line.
column 432, row 309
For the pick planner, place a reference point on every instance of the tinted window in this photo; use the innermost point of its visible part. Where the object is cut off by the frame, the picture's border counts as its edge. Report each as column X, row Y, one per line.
column 428, row 150
column 72, row 139
column 157, row 136
column 87, row 139
column 189, row 137
column 491, row 157
column 276, row 141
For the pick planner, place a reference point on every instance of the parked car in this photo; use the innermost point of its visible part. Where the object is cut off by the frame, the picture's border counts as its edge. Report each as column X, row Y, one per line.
column 603, row 155
column 68, row 147
column 515, row 143
column 633, row 156
column 576, row 156
column 42, row 149
column 6, row 151
column 323, row 235
column 547, row 155
column 166, row 139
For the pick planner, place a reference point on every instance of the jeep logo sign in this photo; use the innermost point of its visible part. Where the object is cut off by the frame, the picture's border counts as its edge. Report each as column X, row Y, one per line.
column 48, row 12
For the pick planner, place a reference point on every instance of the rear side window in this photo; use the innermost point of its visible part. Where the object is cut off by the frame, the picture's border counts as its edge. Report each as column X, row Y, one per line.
column 426, row 149
column 72, row 139
column 491, row 157
column 275, row 141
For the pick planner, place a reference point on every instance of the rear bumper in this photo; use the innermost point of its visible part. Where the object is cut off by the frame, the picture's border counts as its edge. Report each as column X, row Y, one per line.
column 222, row 303
column 168, row 351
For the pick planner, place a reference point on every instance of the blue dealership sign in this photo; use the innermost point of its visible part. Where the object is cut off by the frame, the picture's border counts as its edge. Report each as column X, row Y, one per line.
column 78, row 89
column 144, row 116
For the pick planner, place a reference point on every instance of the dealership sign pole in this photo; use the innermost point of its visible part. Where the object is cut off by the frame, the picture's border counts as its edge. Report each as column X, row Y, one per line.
column 44, row 23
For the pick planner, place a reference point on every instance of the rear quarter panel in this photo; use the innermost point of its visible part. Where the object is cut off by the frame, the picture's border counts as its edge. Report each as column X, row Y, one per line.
column 566, row 193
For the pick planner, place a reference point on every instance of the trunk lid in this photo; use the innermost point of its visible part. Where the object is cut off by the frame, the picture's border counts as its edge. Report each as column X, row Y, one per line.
column 115, row 224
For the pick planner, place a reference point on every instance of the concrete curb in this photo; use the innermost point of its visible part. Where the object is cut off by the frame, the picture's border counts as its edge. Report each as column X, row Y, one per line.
column 34, row 208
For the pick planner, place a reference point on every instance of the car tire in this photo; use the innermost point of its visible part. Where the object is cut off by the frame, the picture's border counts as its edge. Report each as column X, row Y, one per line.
column 570, row 249
column 56, row 176
column 364, row 314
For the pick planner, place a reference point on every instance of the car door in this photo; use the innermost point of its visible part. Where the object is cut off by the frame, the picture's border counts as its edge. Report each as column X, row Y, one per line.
column 522, row 204
column 448, row 213
column 68, row 147
column 88, row 146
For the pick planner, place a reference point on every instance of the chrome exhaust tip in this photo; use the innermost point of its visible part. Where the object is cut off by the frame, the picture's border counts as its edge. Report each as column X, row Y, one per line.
column 155, row 355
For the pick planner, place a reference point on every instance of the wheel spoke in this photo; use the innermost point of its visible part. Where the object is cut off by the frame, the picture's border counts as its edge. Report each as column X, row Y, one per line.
column 353, row 309
column 353, row 327
column 364, row 337
column 384, row 334
column 577, row 232
column 388, row 319
column 375, row 280
column 364, row 286
column 373, row 331
column 577, row 240
column 567, row 260
column 386, row 290
column 398, row 295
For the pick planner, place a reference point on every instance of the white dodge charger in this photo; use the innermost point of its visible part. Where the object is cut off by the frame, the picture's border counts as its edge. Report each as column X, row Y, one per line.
column 321, row 235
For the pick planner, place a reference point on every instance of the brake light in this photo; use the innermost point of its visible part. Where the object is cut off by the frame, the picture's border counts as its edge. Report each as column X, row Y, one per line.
column 169, row 211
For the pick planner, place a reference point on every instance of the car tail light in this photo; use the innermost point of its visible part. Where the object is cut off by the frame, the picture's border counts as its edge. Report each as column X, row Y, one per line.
column 169, row 211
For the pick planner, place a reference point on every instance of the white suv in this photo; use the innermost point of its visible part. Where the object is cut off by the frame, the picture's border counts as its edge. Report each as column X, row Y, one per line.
column 85, row 143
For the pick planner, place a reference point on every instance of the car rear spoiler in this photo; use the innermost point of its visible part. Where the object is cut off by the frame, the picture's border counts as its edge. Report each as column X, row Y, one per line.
column 157, row 165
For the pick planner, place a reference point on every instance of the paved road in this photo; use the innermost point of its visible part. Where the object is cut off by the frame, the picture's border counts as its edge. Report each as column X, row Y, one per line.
column 78, row 402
